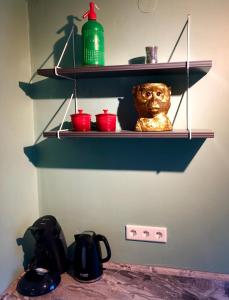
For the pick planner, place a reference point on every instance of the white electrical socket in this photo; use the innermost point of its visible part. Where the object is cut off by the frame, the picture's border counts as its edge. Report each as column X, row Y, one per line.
column 146, row 233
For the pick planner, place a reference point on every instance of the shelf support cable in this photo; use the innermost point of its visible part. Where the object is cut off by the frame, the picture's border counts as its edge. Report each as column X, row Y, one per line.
column 62, row 123
column 61, row 56
column 177, row 42
column 74, row 64
column 57, row 67
column 188, row 110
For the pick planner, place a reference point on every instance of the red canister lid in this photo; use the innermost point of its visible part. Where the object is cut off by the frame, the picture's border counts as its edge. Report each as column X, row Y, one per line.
column 81, row 113
column 105, row 113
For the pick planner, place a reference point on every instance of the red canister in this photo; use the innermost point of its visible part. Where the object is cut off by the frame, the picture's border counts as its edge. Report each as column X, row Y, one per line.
column 81, row 121
column 106, row 121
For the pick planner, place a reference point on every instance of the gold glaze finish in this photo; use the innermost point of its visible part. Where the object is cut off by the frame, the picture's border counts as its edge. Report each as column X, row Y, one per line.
column 152, row 102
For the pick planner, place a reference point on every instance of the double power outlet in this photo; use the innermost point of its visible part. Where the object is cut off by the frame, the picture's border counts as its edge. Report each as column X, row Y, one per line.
column 146, row 233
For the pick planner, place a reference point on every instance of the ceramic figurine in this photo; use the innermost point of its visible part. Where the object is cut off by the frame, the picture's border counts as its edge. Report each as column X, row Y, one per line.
column 152, row 102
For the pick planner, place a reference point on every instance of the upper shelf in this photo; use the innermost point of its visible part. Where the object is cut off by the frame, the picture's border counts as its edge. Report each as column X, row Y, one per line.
column 200, row 67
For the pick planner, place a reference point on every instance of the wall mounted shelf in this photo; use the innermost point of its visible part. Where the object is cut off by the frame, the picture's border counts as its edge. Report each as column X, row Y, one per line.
column 199, row 67
column 199, row 134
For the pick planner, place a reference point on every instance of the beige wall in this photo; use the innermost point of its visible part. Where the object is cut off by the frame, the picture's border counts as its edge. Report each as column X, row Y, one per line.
column 18, row 191
column 192, row 203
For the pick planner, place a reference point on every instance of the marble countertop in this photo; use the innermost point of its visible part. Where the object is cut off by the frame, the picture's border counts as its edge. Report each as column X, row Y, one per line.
column 130, row 282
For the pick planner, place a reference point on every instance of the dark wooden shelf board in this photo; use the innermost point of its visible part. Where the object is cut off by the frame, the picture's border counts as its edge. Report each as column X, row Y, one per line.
column 128, row 70
column 131, row 134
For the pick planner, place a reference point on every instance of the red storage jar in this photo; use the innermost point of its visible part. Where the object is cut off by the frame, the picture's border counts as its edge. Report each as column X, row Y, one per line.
column 106, row 121
column 81, row 121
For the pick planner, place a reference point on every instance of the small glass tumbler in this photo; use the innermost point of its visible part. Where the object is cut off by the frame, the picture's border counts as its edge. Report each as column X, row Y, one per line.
column 151, row 54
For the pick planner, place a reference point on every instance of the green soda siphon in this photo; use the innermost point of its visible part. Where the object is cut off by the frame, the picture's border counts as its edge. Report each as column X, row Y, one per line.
column 93, row 39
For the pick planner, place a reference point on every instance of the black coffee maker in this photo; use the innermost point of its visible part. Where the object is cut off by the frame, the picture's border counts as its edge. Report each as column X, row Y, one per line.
column 51, row 247
column 49, row 260
column 87, row 261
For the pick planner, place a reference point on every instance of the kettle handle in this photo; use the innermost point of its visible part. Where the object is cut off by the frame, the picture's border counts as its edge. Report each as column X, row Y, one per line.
column 102, row 238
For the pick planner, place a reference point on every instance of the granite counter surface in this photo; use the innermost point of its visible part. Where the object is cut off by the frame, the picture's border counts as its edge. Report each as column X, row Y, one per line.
column 128, row 282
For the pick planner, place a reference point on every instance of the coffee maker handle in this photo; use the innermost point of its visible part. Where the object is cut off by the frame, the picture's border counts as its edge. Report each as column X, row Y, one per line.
column 102, row 238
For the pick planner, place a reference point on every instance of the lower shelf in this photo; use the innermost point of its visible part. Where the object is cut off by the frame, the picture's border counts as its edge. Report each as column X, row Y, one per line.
column 131, row 134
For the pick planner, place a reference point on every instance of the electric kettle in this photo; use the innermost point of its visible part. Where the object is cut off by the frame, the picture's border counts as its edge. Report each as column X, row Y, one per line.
column 87, row 261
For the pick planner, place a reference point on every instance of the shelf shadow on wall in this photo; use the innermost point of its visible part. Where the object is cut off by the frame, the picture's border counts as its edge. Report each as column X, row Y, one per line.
column 171, row 155
column 71, row 56
column 103, row 87
column 27, row 243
